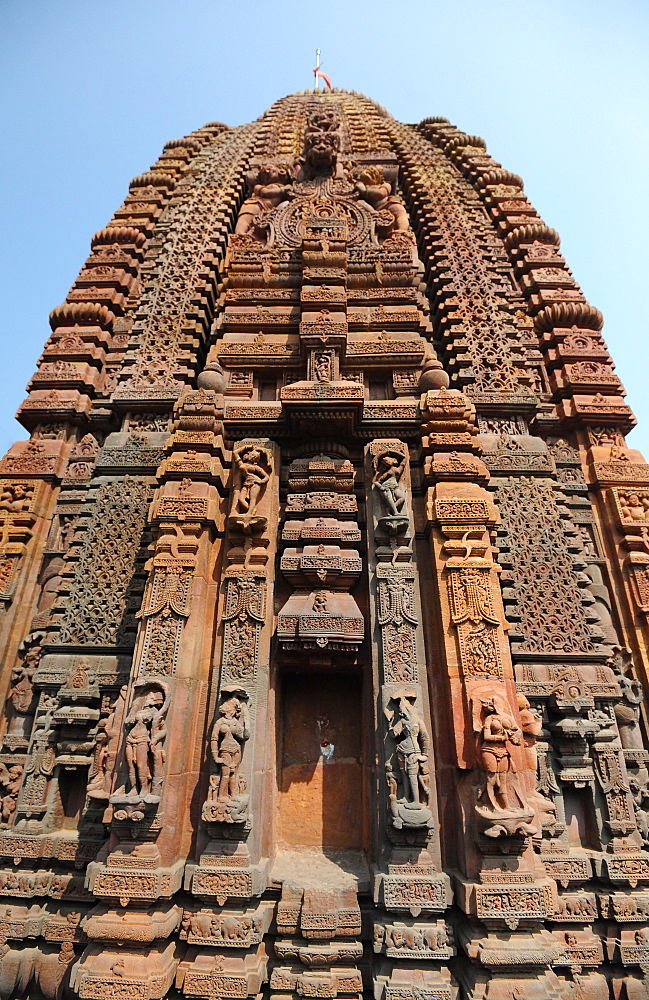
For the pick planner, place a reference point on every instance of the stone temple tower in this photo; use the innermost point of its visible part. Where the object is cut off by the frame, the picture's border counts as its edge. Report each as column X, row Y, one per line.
column 324, row 578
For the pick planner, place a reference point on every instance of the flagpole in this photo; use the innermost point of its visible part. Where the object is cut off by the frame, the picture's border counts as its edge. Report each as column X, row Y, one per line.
column 317, row 67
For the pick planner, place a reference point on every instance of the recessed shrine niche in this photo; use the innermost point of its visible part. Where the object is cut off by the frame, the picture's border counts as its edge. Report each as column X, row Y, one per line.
column 321, row 789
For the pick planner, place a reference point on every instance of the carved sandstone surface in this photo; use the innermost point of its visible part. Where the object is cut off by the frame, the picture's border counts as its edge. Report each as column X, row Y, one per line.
column 324, row 587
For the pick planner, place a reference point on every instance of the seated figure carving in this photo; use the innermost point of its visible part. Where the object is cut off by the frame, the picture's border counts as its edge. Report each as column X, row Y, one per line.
column 272, row 186
column 377, row 192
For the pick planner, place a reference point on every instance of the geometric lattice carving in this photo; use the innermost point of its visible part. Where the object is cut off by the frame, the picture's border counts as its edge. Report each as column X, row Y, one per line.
column 477, row 310
column 97, row 600
column 191, row 228
column 545, row 591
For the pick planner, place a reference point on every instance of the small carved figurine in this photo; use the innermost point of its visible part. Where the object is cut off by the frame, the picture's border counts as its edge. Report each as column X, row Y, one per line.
column 251, row 476
column 10, row 780
column 322, row 367
column 21, row 702
column 16, row 497
column 634, row 507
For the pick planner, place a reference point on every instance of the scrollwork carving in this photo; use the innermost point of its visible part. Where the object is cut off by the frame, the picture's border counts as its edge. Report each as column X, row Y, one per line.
column 243, row 617
column 397, row 616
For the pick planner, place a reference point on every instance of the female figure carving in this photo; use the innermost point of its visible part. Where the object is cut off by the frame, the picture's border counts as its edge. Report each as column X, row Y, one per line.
column 226, row 799
column 250, row 478
column 144, row 745
column 389, row 471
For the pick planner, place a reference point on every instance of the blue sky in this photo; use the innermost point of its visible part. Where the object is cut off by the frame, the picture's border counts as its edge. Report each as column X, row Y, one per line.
column 92, row 89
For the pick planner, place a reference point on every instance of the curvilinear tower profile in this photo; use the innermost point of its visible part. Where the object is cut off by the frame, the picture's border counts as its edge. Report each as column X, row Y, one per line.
column 324, row 584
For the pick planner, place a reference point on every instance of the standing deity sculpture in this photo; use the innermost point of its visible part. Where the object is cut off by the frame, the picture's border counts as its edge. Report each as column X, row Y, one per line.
column 106, row 750
column 627, row 710
column 409, row 782
column 21, row 702
column 227, row 801
column 532, row 726
column 144, row 745
column 501, row 804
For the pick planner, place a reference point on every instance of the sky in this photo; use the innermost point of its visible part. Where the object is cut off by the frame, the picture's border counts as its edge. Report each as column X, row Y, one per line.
column 91, row 90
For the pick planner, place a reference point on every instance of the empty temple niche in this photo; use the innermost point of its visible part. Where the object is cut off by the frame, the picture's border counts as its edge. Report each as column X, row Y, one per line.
column 268, row 390
column 72, row 790
column 581, row 823
column 321, row 802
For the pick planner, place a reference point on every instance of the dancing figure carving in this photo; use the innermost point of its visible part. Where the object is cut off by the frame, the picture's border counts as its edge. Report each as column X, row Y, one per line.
column 252, row 466
column 389, row 467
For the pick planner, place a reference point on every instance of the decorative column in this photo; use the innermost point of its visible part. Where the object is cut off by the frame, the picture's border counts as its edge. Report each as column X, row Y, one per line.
column 491, row 746
column 232, row 870
column 153, row 742
column 410, row 890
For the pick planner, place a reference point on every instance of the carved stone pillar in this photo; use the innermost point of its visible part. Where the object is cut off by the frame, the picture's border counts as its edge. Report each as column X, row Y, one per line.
column 232, row 869
column 409, row 883
column 164, row 705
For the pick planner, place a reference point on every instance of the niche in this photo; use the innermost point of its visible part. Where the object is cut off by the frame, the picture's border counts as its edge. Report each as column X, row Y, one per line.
column 581, row 823
column 319, row 773
column 72, row 790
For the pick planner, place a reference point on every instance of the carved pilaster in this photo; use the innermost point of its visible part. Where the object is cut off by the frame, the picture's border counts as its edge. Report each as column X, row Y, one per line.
column 232, row 866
